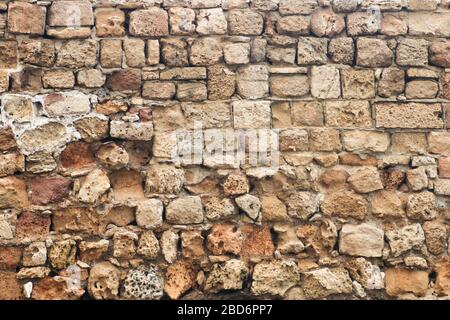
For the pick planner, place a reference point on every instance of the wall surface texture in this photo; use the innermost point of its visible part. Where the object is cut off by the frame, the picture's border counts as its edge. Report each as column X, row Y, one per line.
column 192, row 149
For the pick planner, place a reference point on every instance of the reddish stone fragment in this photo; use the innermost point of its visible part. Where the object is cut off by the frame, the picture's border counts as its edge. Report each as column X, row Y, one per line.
column 32, row 225
column 50, row 190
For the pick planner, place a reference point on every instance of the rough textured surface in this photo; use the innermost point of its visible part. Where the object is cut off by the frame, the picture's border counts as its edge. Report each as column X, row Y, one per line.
column 269, row 149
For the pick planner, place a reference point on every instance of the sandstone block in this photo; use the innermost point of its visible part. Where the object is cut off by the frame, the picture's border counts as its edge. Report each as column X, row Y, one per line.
column 408, row 115
column 245, row 22
column 109, row 23
column 185, row 210
column 70, row 14
column 153, row 22
column 361, row 240
column 325, row 82
column 312, row 51
column 26, row 18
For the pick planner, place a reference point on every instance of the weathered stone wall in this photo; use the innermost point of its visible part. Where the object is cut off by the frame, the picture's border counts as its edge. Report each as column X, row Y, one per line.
column 101, row 195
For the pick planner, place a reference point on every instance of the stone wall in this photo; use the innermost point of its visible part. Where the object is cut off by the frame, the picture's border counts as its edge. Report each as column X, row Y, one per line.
column 333, row 182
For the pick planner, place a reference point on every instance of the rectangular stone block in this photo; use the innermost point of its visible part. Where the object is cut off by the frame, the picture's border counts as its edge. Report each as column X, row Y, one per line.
column 408, row 115
column 70, row 14
column 26, row 18
column 429, row 24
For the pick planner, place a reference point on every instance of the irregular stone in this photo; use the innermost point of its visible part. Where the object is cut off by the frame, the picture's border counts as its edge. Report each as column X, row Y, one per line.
column 93, row 251
column 148, row 245
column 412, row 52
column 404, row 281
column 345, row 204
column 77, row 54
column 58, row 104
column 62, row 254
column 302, row 205
column 439, row 53
column 137, row 131
column 342, row 50
column 287, row 7
column 435, row 237
column 237, row 53
column 192, row 245
column 325, row 139
column 158, row 90
column 145, row 282
column 312, row 51
column 257, row 241
column 50, row 190
column 152, row 22
column 221, row 82
column 288, row 242
column 174, row 52
column 56, row 288
column 76, row 219
column 439, row 142
column 180, row 277
column 109, row 23
column 111, row 54
column 324, row 282
column 365, row 180
column 274, row 277
column 392, row 82
column 205, row 51
column 251, row 114
column 124, row 244
column 169, row 245
column 185, row 210
column 405, row 239
column 417, row 179
column 362, row 23
column 32, row 225
column 181, row 21
column 11, row 163
column 224, row 238
column 11, row 288
column 363, row 240
column 245, row 22
column 366, row 273
column 90, row 78
column 94, row 186
column 387, row 204
column 393, row 25
column 103, row 281
column 124, row 80
column 373, row 53
column 358, row 84
column 325, row 23
column 227, row 276
column 8, row 55
column 443, row 277
column 211, row 21
column 307, row 113
column 13, row 193
column 348, row 114
column 10, row 257
column 298, row 25
column 250, row 205
column 428, row 24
